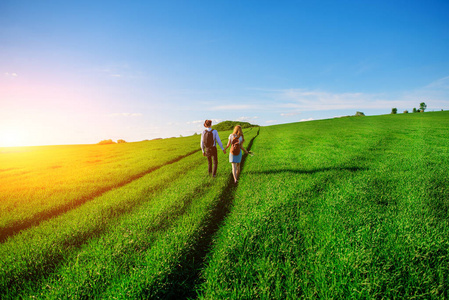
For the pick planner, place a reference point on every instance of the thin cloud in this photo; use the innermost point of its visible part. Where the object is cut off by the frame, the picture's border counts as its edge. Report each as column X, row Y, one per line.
column 306, row 120
column 201, row 122
column 247, row 119
column 235, row 107
column 434, row 94
column 298, row 100
column 291, row 114
column 126, row 115
column 442, row 83
column 115, row 71
column 11, row 75
column 195, row 122
column 317, row 100
column 321, row 100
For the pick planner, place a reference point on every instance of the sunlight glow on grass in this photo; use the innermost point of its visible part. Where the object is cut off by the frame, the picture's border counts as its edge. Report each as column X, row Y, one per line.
column 342, row 208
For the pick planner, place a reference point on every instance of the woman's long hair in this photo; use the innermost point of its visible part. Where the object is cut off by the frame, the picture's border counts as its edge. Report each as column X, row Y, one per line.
column 238, row 131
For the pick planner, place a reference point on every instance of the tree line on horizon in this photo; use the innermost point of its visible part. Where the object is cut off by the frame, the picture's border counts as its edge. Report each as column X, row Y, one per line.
column 108, row 142
column 422, row 108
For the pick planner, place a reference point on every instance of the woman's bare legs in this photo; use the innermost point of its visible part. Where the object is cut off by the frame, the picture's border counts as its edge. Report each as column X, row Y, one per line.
column 234, row 172
column 237, row 172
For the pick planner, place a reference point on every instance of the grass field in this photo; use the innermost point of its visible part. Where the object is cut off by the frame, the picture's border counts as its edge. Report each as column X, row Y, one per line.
column 341, row 208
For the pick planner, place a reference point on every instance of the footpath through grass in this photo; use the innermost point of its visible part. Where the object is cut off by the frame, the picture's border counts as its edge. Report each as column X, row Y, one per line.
column 343, row 208
column 145, row 239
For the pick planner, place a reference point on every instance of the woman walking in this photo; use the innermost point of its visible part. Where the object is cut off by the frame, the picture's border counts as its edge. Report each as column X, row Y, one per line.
column 235, row 141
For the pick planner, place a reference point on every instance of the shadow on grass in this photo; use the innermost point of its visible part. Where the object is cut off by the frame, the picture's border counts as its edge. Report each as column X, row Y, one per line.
column 182, row 282
column 15, row 228
column 53, row 259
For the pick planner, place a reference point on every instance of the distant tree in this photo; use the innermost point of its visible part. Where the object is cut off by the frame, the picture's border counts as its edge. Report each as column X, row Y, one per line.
column 414, row 109
column 405, row 111
column 422, row 106
column 359, row 114
column 394, row 111
column 106, row 142
column 121, row 141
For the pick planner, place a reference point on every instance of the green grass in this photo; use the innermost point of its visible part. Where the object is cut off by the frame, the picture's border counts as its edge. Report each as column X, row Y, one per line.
column 341, row 208
column 41, row 182
column 347, row 208
column 129, row 234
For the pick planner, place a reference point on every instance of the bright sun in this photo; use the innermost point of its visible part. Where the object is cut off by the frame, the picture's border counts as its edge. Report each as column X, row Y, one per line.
column 12, row 137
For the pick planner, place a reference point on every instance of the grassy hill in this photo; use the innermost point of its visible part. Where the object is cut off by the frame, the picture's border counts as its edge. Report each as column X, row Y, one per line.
column 229, row 125
column 341, row 208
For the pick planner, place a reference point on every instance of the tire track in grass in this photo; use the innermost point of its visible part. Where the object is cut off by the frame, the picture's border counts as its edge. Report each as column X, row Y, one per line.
column 163, row 222
column 16, row 227
column 184, row 280
column 167, row 217
column 52, row 260
column 288, row 200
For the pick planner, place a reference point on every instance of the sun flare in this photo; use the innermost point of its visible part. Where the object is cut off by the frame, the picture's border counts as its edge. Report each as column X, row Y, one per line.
column 12, row 137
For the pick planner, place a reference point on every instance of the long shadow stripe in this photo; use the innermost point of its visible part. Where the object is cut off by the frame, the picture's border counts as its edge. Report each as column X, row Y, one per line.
column 53, row 260
column 183, row 281
column 16, row 227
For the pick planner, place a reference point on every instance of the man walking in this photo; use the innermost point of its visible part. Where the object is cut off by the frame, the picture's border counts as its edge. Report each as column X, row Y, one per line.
column 209, row 138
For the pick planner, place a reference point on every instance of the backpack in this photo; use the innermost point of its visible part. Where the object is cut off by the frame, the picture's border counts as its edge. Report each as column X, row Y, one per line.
column 208, row 138
column 235, row 146
column 208, row 142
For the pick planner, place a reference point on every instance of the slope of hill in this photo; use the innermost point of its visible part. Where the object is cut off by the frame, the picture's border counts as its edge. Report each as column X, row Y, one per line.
column 341, row 208
column 229, row 125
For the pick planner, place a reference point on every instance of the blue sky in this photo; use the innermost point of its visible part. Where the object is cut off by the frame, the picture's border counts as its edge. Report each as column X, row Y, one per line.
column 83, row 71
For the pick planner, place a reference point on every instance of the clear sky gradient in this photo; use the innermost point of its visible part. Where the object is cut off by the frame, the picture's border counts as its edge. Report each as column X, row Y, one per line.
column 78, row 72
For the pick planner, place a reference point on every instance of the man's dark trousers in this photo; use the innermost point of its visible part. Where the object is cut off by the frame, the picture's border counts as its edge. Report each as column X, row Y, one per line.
column 213, row 155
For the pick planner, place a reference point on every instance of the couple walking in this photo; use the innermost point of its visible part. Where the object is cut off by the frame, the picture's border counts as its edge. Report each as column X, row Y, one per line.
column 209, row 139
